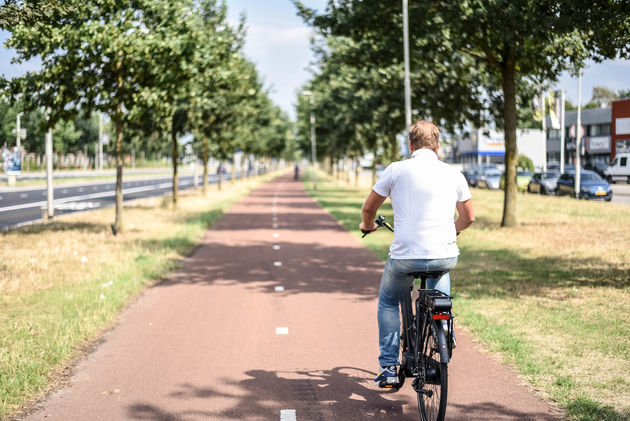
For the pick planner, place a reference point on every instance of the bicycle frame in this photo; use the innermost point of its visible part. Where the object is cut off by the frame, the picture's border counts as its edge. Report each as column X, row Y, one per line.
column 414, row 331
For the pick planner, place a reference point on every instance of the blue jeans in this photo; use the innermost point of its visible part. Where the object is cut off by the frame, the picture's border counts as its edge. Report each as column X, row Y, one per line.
column 395, row 282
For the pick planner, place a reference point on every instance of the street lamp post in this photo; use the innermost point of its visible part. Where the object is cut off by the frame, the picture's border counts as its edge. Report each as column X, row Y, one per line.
column 18, row 136
column 406, row 58
column 313, row 142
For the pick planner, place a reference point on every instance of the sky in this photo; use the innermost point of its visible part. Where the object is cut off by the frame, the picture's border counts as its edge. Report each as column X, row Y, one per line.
column 278, row 42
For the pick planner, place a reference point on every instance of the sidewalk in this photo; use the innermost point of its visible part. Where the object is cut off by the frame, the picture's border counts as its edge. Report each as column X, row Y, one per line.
column 272, row 317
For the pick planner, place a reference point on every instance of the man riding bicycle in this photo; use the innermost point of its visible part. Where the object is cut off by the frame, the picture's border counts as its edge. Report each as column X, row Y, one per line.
column 424, row 193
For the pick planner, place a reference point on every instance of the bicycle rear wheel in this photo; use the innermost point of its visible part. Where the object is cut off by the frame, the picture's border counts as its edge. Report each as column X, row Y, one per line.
column 432, row 396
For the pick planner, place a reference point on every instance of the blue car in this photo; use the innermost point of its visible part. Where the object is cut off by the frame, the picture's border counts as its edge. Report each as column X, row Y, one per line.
column 592, row 186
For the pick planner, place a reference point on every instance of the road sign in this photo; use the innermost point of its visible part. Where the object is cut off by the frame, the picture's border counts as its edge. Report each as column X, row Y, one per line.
column 572, row 131
column 22, row 133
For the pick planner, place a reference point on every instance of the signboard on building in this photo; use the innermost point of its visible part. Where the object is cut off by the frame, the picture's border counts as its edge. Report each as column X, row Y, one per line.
column 493, row 144
column 599, row 144
column 620, row 133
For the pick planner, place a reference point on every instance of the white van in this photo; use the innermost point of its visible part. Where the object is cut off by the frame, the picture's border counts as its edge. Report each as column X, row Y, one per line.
column 619, row 169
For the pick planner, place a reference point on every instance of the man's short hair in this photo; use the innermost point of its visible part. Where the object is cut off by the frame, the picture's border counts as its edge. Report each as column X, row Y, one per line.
column 424, row 135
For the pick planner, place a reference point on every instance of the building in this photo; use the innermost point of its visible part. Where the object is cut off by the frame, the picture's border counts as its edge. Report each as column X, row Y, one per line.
column 607, row 132
column 620, row 127
column 596, row 146
column 489, row 147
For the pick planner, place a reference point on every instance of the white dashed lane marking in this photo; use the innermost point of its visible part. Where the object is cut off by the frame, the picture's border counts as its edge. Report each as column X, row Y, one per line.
column 288, row 415
column 276, row 247
column 274, row 225
column 282, row 331
column 277, row 263
column 279, row 288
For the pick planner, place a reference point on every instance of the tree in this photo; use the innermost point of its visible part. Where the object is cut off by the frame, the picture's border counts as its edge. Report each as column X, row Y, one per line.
column 603, row 95
column 525, row 163
column 96, row 56
column 484, row 56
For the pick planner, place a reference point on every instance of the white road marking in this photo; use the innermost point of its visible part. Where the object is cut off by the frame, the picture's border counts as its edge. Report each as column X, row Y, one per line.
column 23, row 195
column 64, row 191
column 276, row 247
column 288, row 415
column 276, row 235
column 274, row 218
column 277, row 263
column 282, row 331
column 274, row 225
column 86, row 197
column 279, row 288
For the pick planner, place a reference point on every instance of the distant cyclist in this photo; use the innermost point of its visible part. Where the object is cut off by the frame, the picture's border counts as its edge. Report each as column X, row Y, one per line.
column 424, row 193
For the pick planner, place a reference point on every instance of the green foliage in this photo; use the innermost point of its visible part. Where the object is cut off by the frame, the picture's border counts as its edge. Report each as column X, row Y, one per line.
column 525, row 163
column 466, row 68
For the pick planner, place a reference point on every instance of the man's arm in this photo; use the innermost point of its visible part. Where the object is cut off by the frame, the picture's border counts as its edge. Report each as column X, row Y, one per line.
column 466, row 215
column 368, row 211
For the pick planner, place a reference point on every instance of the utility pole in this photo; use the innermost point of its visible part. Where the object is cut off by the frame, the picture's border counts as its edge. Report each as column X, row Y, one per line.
column 313, row 141
column 562, row 132
column 543, row 98
column 100, row 141
column 18, row 143
column 578, row 136
column 49, row 171
column 407, row 66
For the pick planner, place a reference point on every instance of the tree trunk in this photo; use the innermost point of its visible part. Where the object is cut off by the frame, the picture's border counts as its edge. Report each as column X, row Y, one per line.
column 356, row 171
column 374, row 170
column 174, row 157
column 511, row 151
column 394, row 149
column 205, row 156
column 219, row 175
column 118, row 223
column 233, row 170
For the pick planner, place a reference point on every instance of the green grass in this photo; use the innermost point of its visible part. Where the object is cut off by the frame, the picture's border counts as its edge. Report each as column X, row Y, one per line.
column 52, row 305
column 551, row 297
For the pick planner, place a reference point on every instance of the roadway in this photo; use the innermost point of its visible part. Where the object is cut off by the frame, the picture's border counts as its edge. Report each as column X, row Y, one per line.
column 621, row 193
column 24, row 206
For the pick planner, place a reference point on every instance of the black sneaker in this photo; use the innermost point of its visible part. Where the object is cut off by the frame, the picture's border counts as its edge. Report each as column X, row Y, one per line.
column 388, row 377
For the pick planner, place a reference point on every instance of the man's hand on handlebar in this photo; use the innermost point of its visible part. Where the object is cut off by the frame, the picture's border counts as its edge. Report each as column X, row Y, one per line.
column 365, row 230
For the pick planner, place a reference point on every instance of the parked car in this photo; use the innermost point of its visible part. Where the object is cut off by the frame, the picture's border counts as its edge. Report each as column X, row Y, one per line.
column 490, row 178
column 522, row 180
column 598, row 167
column 471, row 175
column 543, row 182
column 592, row 186
column 619, row 168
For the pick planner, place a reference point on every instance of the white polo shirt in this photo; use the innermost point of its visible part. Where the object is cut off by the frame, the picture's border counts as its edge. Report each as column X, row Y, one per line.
column 423, row 191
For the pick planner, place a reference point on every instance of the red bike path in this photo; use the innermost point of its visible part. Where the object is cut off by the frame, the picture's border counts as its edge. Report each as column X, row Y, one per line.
column 272, row 317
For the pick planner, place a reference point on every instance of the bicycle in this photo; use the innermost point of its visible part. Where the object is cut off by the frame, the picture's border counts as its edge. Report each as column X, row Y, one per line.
column 426, row 342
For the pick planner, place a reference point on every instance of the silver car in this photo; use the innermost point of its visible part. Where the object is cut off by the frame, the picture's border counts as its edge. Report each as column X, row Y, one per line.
column 490, row 179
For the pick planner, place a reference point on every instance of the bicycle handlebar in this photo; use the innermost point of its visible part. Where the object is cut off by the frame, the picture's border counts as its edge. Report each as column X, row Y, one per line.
column 381, row 222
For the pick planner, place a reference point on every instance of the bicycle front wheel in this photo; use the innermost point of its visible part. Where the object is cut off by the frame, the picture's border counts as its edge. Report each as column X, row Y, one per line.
column 432, row 396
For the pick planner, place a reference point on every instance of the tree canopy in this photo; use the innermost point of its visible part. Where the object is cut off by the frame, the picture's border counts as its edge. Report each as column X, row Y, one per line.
column 473, row 63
